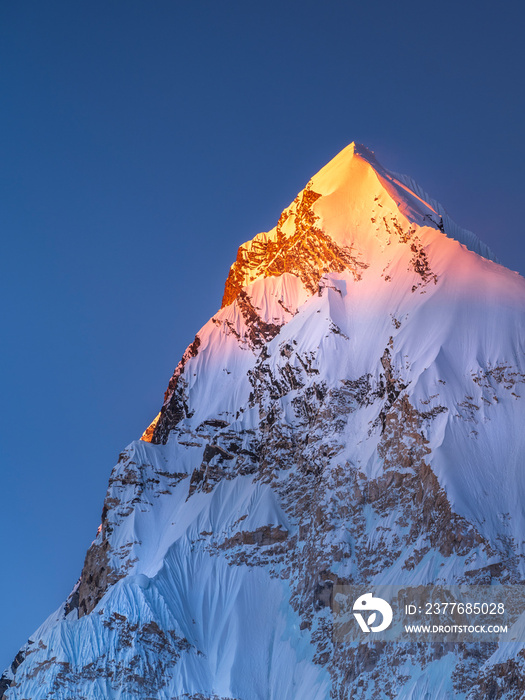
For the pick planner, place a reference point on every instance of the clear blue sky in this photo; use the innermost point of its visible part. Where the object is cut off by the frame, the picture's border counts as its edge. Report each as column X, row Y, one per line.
column 141, row 143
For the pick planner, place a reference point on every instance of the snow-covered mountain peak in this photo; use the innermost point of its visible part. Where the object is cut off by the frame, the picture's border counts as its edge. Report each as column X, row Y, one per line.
column 349, row 173
column 356, row 223
column 352, row 415
column 353, row 214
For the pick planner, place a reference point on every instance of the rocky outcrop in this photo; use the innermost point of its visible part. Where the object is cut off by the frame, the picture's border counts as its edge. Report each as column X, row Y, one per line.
column 303, row 250
column 500, row 681
column 175, row 405
column 262, row 536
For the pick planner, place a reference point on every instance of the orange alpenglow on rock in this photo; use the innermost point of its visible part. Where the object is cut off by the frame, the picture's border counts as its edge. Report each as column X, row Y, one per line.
column 148, row 433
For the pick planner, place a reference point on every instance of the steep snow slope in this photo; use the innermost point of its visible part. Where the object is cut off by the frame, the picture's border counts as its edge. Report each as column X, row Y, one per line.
column 352, row 414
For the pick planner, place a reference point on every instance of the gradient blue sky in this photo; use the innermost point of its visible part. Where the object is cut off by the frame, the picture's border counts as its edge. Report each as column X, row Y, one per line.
column 141, row 143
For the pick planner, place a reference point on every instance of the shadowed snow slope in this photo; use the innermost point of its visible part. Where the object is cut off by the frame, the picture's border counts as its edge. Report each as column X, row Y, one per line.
column 351, row 415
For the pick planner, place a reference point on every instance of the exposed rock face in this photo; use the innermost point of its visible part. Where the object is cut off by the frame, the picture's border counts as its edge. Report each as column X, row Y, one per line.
column 351, row 416
column 175, row 406
column 300, row 247
column 503, row 680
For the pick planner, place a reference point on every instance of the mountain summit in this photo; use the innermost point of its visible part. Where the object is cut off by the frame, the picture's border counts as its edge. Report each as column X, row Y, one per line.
column 349, row 200
column 351, row 416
